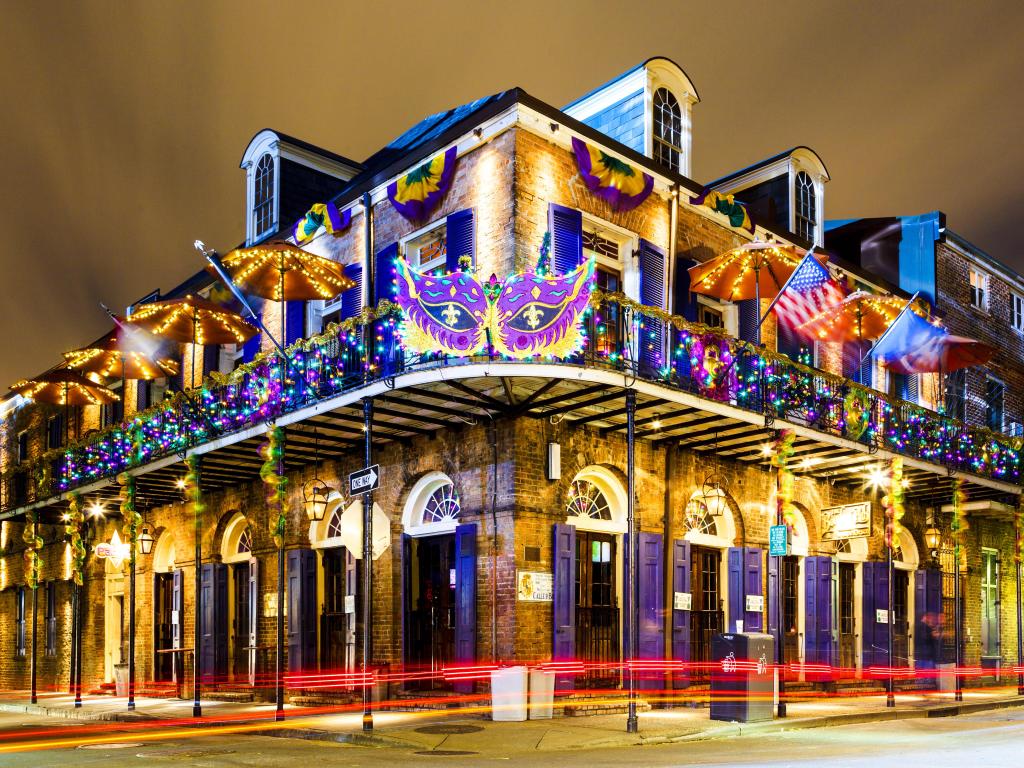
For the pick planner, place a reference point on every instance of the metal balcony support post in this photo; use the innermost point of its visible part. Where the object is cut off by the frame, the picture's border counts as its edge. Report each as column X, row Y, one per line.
column 890, row 693
column 780, row 613
column 1020, row 637
column 631, row 720
column 80, row 593
column 197, row 708
column 33, row 698
column 958, row 656
column 279, row 657
column 131, row 602
column 367, row 570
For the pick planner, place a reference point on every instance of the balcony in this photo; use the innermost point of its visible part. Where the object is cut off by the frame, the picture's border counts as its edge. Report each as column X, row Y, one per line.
column 711, row 393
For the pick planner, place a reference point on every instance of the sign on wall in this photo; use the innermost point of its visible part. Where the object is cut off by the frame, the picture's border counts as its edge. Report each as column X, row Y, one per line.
column 778, row 541
column 755, row 603
column 850, row 521
column 534, row 586
column 682, row 601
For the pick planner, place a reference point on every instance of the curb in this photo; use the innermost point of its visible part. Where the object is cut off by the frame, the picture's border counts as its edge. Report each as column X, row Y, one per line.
column 63, row 713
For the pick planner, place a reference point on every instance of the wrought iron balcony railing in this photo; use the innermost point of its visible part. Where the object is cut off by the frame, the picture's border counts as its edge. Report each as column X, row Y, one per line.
column 641, row 341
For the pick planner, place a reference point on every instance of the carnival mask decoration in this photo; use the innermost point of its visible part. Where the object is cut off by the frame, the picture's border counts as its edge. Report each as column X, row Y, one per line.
column 527, row 315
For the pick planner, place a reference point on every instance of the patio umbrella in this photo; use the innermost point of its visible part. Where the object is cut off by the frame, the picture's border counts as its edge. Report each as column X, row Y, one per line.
column 283, row 272
column 61, row 386
column 942, row 354
column 126, row 353
column 858, row 317
column 748, row 272
column 192, row 320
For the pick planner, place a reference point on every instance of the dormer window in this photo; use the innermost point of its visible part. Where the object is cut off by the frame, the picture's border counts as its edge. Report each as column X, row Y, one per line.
column 263, row 197
column 806, row 219
column 668, row 130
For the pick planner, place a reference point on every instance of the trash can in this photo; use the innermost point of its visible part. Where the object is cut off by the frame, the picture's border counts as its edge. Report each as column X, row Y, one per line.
column 542, row 694
column 945, row 681
column 508, row 694
column 742, row 681
column 121, row 679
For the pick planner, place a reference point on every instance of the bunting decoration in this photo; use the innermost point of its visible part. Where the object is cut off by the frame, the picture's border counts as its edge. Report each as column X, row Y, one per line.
column 782, row 452
column 727, row 205
column 417, row 193
column 73, row 523
column 893, row 502
column 271, row 453
column 324, row 215
column 129, row 517
column 528, row 315
column 959, row 525
column 33, row 543
column 614, row 181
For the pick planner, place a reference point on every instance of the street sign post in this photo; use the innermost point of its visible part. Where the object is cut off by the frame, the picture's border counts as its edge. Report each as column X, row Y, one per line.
column 778, row 541
column 365, row 480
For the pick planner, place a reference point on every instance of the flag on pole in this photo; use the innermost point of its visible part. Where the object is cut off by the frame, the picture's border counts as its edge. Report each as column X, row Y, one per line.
column 809, row 291
column 912, row 344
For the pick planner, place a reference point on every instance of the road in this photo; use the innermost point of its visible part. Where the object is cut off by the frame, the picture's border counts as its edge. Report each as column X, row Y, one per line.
column 992, row 739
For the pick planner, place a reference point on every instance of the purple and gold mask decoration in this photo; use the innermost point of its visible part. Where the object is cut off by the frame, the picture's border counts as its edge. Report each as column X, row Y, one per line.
column 529, row 315
column 727, row 205
column 324, row 215
column 417, row 193
column 619, row 184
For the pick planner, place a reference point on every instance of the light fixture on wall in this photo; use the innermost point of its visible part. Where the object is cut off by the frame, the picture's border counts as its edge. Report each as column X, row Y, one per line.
column 932, row 536
column 315, row 491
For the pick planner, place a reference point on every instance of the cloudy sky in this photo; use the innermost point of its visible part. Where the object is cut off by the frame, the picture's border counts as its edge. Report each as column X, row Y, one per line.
column 124, row 122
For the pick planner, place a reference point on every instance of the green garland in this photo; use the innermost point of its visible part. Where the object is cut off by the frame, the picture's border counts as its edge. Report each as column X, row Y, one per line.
column 129, row 517
column 271, row 452
column 33, row 543
column 959, row 525
column 193, row 493
column 73, row 530
column 782, row 452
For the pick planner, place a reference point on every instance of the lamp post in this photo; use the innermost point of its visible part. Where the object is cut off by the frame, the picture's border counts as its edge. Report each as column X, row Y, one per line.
column 194, row 497
column 367, row 569
column 34, row 575
column 632, row 724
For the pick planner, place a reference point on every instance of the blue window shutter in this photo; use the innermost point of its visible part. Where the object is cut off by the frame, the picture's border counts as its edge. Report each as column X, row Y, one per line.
column 735, row 587
column 748, row 317
column 460, row 237
column 213, row 655
column 652, row 293
column 566, row 227
column 680, row 619
column 465, row 598
column 352, row 299
column 752, row 586
column 384, row 273
column 294, row 321
column 684, row 303
column 651, row 599
column 211, row 358
column 564, row 605
column 251, row 348
column 818, row 609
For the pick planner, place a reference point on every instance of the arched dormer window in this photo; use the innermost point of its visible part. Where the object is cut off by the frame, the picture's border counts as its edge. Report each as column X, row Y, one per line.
column 806, row 207
column 668, row 130
column 263, row 218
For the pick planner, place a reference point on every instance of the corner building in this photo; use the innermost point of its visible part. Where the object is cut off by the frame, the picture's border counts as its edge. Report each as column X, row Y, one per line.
column 505, row 483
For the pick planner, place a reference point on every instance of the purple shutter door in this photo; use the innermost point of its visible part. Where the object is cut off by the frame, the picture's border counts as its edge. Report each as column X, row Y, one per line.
column 351, row 590
column 465, row 599
column 564, row 599
column 459, row 239
column 876, row 598
column 294, row 321
column 753, row 621
column 735, row 586
column 680, row 619
column 407, row 604
column 207, row 643
column 301, row 580
column 651, row 260
column 221, row 621
column 177, row 630
column 818, row 610
column 927, row 611
column 773, row 603
column 384, row 288
column 651, row 597
column 255, row 608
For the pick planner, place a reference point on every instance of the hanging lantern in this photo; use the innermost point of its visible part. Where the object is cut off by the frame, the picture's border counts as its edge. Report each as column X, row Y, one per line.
column 314, row 498
column 145, row 541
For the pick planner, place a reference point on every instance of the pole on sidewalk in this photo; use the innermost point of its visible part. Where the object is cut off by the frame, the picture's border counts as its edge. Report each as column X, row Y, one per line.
column 780, row 612
column 367, row 569
column 631, row 541
column 131, row 624
column 890, row 693
column 33, row 697
column 958, row 685
column 1020, row 637
column 74, row 636
column 78, row 625
column 197, row 707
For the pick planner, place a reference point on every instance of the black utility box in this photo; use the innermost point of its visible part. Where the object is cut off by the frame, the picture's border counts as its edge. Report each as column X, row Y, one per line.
column 743, row 679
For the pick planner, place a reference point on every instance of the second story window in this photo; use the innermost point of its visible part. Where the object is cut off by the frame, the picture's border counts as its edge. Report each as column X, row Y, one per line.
column 55, row 431
column 1017, row 312
column 51, row 618
column 668, row 130
column 806, row 219
column 22, row 447
column 979, row 288
column 428, row 249
column 994, row 389
column 263, row 197
column 605, row 330
column 19, row 621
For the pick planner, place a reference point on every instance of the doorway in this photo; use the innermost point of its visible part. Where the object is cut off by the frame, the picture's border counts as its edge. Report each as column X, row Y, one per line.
column 901, row 618
column 240, row 622
column 430, row 606
column 791, row 608
column 706, row 616
column 115, row 618
column 339, row 610
column 163, row 627
column 847, row 615
column 597, row 608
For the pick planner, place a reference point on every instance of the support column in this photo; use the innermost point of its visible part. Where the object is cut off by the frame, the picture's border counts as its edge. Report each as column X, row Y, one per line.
column 367, row 569
column 631, row 541
column 780, row 613
column 34, row 577
column 194, row 494
column 279, row 656
column 1017, row 568
column 890, row 693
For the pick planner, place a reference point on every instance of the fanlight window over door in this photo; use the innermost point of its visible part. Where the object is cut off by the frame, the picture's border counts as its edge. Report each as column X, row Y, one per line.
column 443, row 506
column 334, row 526
column 245, row 542
column 587, row 500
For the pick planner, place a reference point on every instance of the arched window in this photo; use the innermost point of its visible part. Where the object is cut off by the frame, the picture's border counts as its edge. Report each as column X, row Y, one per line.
column 334, row 526
column 433, row 506
column 587, row 500
column 698, row 517
column 263, row 196
column 668, row 130
column 806, row 207
column 442, row 506
column 245, row 542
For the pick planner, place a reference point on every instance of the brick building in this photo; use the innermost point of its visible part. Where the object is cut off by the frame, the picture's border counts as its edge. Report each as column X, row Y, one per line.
column 504, row 482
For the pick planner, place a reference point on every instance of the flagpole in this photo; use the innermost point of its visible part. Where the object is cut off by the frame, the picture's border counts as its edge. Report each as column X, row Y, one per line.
column 782, row 290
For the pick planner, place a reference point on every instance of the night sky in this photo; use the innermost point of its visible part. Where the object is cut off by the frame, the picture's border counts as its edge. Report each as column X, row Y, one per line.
column 124, row 123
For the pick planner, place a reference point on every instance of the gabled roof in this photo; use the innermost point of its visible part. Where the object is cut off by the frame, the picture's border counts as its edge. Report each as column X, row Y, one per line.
column 768, row 161
column 313, row 148
column 626, row 74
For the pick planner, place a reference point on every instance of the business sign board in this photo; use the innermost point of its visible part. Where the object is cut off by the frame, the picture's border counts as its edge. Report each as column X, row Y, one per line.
column 778, row 541
column 850, row 521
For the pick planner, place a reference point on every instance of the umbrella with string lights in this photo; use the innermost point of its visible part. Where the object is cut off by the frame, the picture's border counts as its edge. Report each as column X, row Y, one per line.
column 61, row 386
column 860, row 316
column 125, row 353
column 749, row 271
column 280, row 271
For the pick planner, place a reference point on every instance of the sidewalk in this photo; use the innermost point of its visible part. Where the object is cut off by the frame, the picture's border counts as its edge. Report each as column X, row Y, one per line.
column 469, row 730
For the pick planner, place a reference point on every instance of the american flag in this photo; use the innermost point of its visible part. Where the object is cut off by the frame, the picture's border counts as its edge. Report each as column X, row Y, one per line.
column 809, row 291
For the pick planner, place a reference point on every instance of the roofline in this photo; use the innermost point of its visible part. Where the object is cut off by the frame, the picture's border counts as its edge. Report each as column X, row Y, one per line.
column 301, row 144
column 768, row 161
column 966, row 245
column 627, row 73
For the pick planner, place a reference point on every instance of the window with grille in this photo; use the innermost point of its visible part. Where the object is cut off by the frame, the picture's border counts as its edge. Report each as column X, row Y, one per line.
column 1017, row 312
column 443, row 506
column 19, row 621
column 979, row 288
column 947, row 564
column 806, row 207
column 989, row 602
column 263, row 197
column 994, row 391
column 22, row 447
column 245, row 542
column 668, row 130
column 51, row 618
column 334, row 526
column 587, row 500
column 429, row 250
column 956, row 394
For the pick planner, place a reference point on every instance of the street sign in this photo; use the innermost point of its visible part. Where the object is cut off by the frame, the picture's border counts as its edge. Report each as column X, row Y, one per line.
column 778, row 541
column 364, row 481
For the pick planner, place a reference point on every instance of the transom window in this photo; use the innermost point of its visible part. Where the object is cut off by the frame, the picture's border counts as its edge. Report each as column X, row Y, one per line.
column 245, row 542
column 979, row 288
column 1017, row 312
column 698, row 518
column 668, row 130
column 587, row 500
column 428, row 250
column 263, row 196
column 443, row 506
column 806, row 207
column 600, row 245
column 334, row 526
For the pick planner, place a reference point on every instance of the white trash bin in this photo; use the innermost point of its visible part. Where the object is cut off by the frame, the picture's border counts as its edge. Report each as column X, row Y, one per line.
column 121, row 679
column 946, row 678
column 542, row 694
column 508, row 694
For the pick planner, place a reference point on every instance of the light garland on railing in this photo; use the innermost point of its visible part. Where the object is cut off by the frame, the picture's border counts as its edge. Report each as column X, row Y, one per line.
column 271, row 453
column 701, row 359
column 73, row 530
